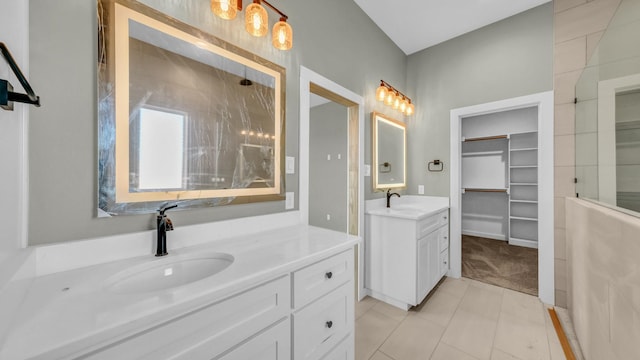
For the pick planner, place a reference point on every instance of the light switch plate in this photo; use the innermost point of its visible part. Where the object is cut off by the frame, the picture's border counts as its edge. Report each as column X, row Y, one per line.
column 420, row 189
column 289, row 202
column 291, row 165
column 367, row 170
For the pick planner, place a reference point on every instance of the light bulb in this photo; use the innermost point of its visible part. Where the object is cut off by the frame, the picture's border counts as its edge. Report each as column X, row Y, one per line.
column 381, row 93
column 403, row 105
column 256, row 20
column 225, row 9
column 391, row 97
column 282, row 35
column 410, row 109
column 396, row 102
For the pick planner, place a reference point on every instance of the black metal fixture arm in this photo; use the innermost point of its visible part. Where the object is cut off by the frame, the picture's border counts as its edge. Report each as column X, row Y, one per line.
column 7, row 96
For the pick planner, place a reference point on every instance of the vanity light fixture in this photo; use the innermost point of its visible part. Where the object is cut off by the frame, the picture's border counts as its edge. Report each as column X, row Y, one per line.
column 257, row 20
column 394, row 98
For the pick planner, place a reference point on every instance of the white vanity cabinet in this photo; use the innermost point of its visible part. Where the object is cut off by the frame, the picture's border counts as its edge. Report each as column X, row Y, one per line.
column 406, row 255
column 304, row 314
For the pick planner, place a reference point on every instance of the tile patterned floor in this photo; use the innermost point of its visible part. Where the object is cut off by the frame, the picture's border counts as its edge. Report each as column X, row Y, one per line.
column 462, row 319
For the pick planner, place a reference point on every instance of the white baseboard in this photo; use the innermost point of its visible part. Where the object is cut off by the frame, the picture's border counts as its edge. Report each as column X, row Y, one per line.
column 484, row 235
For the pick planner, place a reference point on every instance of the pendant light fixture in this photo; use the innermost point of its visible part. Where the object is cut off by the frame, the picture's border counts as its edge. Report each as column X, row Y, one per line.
column 394, row 98
column 282, row 35
column 226, row 9
column 257, row 20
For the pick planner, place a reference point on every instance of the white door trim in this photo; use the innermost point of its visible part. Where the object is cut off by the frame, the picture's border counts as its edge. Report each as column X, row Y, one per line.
column 544, row 102
column 307, row 77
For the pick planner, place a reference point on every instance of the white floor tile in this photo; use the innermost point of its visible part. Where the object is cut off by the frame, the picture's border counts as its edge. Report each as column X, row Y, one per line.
column 521, row 338
column 372, row 329
column 415, row 338
column 446, row 352
column 471, row 333
column 439, row 308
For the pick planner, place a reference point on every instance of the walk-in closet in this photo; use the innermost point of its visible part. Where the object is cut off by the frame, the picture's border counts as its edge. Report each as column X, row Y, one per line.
column 499, row 191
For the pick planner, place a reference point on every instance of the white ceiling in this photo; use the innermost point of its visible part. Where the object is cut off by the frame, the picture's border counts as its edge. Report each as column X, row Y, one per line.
column 418, row 24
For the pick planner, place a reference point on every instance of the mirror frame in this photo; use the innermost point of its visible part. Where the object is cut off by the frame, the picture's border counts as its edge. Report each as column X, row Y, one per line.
column 118, row 73
column 375, row 117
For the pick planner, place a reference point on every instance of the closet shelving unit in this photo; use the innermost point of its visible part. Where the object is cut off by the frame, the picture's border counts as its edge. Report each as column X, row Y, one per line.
column 504, row 164
column 485, row 186
column 523, row 199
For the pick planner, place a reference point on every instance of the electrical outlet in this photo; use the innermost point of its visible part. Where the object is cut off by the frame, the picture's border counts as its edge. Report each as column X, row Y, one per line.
column 420, row 189
column 367, row 170
column 339, row 156
column 328, row 217
column 291, row 165
column 328, row 156
column 289, row 202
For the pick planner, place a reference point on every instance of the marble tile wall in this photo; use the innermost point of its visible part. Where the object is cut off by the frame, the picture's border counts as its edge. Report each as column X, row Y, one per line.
column 603, row 249
column 579, row 24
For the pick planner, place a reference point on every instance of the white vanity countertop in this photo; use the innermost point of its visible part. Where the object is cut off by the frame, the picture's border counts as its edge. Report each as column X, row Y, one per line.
column 412, row 207
column 53, row 323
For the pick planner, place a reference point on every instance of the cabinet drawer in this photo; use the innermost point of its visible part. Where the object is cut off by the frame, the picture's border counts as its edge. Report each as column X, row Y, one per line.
column 443, row 238
column 318, row 279
column 210, row 330
column 321, row 326
column 428, row 225
column 444, row 263
column 273, row 344
column 344, row 350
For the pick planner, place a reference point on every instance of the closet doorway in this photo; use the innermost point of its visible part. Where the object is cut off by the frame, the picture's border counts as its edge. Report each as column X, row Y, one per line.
column 502, row 193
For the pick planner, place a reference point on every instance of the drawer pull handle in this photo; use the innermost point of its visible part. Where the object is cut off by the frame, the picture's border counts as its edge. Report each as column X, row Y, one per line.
column 329, row 275
column 329, row 324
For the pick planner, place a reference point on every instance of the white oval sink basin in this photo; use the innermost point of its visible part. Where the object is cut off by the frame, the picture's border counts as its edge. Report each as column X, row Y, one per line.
column 167, row 273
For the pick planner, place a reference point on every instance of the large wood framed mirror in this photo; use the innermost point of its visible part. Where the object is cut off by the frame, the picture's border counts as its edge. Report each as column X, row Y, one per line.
column 183, row 115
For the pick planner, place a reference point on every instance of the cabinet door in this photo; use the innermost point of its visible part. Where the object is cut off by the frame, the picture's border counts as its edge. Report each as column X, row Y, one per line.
column 423, row 269
column 272, row 344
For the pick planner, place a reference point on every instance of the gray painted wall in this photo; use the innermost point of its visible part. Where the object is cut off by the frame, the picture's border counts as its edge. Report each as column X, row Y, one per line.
column 353, row 52
column 328, row 178
column 510, row 58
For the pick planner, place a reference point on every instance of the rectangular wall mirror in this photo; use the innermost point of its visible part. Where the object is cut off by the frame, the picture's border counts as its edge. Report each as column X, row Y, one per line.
column 183, row 115
column 389, row 152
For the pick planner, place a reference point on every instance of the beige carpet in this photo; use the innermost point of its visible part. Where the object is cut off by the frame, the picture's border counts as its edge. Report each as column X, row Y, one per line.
column 498, row 263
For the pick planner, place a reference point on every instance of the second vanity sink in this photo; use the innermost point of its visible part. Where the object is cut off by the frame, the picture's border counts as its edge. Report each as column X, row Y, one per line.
column 167, row 273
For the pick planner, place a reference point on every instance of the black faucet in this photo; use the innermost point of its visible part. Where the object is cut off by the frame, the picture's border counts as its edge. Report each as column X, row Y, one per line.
column 164, row 224
column 389, row 195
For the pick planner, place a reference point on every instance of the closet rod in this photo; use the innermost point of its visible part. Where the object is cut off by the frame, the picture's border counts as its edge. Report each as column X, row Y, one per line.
column 485, row 190
column 496, row 137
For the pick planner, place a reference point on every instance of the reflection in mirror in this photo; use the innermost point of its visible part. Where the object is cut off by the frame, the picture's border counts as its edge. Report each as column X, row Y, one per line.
column 183, row 116
column 608, row 115
column 389, row 152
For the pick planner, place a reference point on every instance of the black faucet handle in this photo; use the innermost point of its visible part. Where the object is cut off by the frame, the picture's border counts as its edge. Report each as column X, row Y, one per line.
column 168, row 225
column 164, row 208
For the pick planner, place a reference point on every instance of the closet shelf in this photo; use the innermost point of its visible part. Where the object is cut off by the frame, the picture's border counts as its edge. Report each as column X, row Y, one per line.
column 523, row 166
column 524, row 201
column 485, row 138
column 525, row 149
column 523, row 242
column 524, row 184
column 482, row 153
column 484, row 190
column 523, row 218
